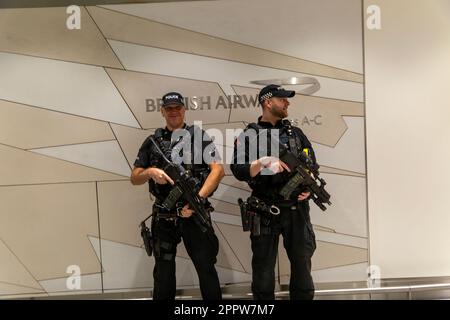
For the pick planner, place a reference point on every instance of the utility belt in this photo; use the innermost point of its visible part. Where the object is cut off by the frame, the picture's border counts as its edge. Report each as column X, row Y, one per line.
column 257, row 214
column 160, row 212
column 278, row 203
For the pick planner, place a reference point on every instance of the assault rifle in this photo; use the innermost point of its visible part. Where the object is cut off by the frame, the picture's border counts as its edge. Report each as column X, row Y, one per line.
column 186, row 188
column 304, row 172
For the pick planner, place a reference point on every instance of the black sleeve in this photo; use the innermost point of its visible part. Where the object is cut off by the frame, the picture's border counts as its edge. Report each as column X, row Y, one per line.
column 143, row 157
column 242, row 159
column 240, row 166
column 209, row 150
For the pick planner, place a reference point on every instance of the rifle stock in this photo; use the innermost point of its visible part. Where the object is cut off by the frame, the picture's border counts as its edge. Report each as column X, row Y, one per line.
column 185, row 184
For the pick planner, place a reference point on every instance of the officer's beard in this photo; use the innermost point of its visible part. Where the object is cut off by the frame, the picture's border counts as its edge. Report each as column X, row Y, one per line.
column 279, row 113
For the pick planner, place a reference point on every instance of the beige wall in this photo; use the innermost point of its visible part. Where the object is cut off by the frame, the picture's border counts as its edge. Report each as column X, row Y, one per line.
column 73, row 115
column 408, row 146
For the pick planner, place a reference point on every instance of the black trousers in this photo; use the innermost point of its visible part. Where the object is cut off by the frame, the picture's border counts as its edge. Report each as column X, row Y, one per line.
column 202, row 250
column 298, row 240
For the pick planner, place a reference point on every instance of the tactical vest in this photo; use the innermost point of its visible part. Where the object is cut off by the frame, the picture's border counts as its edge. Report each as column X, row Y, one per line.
column 296, row 143
column 199, row 171
column 287, row 136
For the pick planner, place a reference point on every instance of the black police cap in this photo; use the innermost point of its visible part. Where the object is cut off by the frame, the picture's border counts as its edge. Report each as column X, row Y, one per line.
column 273, row 90
column 172, row 98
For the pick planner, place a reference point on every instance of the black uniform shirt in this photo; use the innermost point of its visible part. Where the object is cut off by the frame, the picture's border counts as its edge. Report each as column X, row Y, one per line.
column 267, row 186
column 148, row 157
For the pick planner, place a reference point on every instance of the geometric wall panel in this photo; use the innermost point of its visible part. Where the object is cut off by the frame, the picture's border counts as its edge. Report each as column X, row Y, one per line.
column 226, row 257
column 327, row 32
column 223, row 135
column 89, row 284
column 225, row 207
column 343, row 239
column 226, row 167
column 319, row 118
column 226, row 73
column 13, row 290
column 141, row 91
column 124, row 266
column 332, row 255
column 348, row 154
column 62, row 86
column 105, row 155
column 12, row 271
column 327, row 255
column 49, row 231
column 240, row 242
column 161, row 35
column 43, row 32
column 348, row 212
column 23, row 167
column 229, row 194
column 226, row 218
column 322, row 228
column 122, row 207
column 129, row 267
column 353, row 272
column 233, row 182
column 226, row 155
column 28, row 127
column 232, row 127
column 218, row 132
column 227, row 276
column 324, row 120
column 325, row 169
column 130, row 140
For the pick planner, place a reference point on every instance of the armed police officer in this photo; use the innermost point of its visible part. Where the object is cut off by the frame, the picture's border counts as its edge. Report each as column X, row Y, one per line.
column 266, row 175
column 171, row 223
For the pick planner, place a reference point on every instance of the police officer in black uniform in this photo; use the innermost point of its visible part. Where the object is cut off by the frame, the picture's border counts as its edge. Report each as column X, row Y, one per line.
column 170, row 226
column 266, row 175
